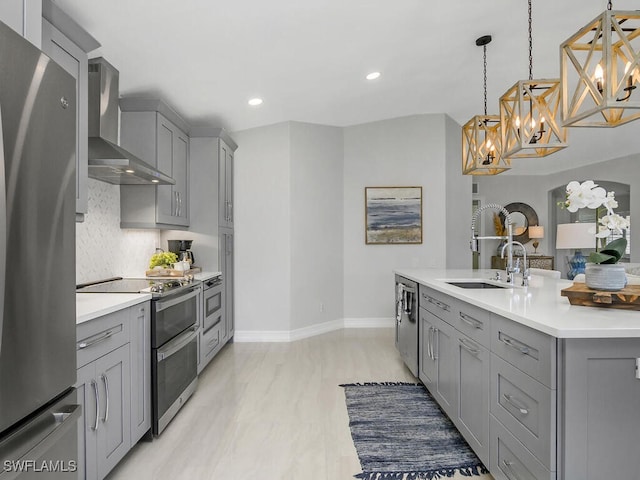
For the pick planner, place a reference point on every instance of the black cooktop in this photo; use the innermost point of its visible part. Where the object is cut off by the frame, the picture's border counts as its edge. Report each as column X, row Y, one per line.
column 157, row 287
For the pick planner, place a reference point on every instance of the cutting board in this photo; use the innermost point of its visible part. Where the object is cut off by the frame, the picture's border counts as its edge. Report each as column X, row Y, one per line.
column 169, row 272
column 579, row 294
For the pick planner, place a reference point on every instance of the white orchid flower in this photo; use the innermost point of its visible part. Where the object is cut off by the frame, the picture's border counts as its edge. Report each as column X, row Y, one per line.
column 585, row 195
column 613, row 223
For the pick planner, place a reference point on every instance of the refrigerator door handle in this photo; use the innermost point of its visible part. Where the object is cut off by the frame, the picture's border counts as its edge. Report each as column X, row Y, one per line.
column 3, row 228
column 37, row 437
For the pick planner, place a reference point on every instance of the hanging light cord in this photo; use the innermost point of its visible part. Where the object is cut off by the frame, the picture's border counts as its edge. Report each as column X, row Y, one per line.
column 531, row 45
column 485, row 79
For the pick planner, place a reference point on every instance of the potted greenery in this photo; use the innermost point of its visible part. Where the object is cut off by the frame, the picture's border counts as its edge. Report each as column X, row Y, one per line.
column 602, row 272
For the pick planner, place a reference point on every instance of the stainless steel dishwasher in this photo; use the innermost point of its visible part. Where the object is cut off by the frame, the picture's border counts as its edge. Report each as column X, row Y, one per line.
column 407, row 322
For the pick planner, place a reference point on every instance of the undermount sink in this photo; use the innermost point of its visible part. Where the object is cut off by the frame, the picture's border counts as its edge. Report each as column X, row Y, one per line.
column 476, row 284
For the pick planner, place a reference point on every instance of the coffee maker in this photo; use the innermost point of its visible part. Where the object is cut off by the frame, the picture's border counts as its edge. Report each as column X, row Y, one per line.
column 182, row 248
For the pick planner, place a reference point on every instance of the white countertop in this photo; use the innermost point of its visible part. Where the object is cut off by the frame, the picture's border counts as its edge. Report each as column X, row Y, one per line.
column 539, row 306
column 94, row 305
column 202, row 276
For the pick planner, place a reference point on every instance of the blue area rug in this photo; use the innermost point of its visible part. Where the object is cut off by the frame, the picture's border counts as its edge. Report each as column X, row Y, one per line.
column 400, row 433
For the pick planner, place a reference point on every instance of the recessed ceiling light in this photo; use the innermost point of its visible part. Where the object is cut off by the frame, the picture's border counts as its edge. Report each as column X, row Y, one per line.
column 129, row 171
column 373, row 76
column 155, row 181
column 254, row 102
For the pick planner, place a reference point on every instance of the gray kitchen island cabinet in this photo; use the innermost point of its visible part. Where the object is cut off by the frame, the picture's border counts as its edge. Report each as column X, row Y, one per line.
column 455, row 366
column 153, row 131
column 113, row 382
column 542, row 389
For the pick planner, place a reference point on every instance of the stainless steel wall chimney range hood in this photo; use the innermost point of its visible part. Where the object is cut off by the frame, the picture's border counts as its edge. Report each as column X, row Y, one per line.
column 109, row 162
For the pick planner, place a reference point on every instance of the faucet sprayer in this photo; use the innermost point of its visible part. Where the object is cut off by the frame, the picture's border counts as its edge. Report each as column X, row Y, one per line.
column 508, row 237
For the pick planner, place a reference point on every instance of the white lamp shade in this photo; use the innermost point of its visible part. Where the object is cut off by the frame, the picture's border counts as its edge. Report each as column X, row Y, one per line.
column 575, row 235
column 536, row 231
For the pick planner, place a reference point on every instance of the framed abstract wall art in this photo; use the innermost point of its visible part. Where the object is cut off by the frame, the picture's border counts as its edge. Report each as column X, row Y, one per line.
column 393, row 215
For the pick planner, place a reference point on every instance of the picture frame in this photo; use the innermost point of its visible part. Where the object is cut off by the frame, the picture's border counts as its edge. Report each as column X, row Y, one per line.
column 393, row 215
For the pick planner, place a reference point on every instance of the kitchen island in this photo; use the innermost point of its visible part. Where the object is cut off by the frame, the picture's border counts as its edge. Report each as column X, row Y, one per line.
column 538, row 387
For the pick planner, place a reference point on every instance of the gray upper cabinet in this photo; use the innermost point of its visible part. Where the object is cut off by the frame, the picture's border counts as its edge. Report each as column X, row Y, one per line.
column 68, row 45
column 153, row 131
column 25, row 17
column 225, row 191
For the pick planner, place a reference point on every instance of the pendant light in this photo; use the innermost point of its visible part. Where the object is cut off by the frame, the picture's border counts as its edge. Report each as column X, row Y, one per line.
column 530, row 115
column 481, row 136
column 600, row 70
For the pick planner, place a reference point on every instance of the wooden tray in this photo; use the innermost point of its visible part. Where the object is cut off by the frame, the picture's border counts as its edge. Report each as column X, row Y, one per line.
column 579, row 294
column 169, row 272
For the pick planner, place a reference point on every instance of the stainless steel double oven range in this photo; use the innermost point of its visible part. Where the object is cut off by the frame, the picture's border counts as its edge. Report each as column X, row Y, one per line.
column 174, row 339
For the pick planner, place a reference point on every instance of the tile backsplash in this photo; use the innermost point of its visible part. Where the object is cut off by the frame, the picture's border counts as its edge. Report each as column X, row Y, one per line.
column 105, row 250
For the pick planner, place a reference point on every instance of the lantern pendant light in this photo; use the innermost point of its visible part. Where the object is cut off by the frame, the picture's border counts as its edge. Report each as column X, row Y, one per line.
column 600, row 70
column 530, row 115
column 481, row 136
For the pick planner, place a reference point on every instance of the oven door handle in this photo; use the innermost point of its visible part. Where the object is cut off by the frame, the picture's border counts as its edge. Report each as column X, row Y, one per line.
column 163, row 305
column 177, row 344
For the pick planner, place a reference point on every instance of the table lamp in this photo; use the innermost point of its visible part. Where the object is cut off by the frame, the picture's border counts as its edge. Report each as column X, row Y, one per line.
column 575, row 236
column 536, row 232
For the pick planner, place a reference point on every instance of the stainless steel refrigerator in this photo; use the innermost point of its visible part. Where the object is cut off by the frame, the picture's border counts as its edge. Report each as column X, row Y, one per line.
column 38, row 410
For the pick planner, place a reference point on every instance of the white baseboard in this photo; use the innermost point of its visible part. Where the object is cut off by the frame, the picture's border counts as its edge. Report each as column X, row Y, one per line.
column 382, row 322
column 265, row 336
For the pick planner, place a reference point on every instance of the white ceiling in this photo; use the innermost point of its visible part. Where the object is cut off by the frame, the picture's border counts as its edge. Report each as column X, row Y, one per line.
column 308, row 58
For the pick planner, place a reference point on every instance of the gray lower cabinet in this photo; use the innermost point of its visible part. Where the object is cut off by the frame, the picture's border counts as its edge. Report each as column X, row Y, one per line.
column 68, row 44
column 104, row 391
column 439, row 364
column 599, row 409
column 23, row 16
column 472, row 365
column 113, row 382
column 226, row 267
column 140, row 328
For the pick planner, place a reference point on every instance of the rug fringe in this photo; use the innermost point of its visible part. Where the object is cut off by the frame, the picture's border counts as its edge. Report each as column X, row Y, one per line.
column 367, row 384
column 467, row 471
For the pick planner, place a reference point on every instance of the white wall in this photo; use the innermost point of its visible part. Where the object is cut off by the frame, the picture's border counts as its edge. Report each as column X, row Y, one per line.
column 262, row 229
column 458, row 200
column 407, row 151
column 316, row 227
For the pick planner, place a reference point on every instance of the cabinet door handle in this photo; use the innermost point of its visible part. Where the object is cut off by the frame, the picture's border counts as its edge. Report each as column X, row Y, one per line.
column 435, row 336
column 514, row 403
column 467, row 347
column 106, row 394
column 512, row 474
column 429, row 344
column 523, row 349
column 101, row 338
column 94, row 384
column 471, row 321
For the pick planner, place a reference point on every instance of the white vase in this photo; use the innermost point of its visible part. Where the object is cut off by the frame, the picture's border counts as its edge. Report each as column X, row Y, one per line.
column 605, row 276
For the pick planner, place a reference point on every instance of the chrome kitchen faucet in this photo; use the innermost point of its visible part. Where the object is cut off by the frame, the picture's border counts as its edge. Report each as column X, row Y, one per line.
column 509, row 237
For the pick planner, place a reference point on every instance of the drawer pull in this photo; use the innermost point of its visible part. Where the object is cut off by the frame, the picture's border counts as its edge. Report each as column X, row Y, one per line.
column 468, row 348
column 471, row 321
column 523, row 349
column 101, row 338
column 516, row 404
column 511, row 475
column 437, row 303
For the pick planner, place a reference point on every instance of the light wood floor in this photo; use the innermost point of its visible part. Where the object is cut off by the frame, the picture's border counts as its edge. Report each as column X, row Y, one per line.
column 271, row 411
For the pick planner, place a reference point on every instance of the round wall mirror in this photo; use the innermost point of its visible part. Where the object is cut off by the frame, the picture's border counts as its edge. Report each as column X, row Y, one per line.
column 522, row 215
